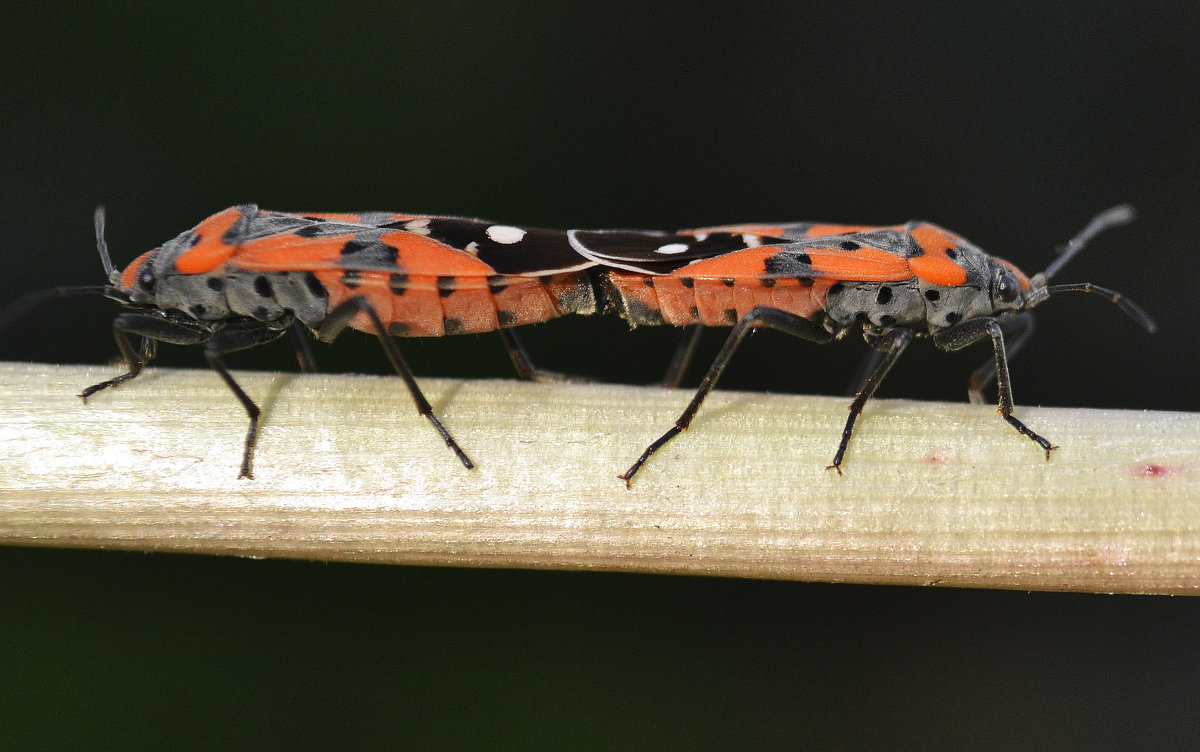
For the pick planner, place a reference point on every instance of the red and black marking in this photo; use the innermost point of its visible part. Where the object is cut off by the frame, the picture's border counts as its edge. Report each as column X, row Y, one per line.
column 245, row 277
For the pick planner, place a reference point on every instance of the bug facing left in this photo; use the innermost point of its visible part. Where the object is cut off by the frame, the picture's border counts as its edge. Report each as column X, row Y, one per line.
column 245, row 277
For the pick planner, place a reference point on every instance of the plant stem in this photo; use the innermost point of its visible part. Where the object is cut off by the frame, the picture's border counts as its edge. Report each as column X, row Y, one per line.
column 933, row 493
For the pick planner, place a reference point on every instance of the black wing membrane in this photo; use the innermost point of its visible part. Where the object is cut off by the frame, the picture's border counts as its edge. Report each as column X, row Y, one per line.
column 535, row 252
column 507, row 249
column 658, row 252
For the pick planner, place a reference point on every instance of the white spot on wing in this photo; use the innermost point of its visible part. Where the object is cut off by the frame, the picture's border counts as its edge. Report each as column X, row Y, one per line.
column 418, row 226
column 751, row 241
column 505, row 234
column 671, row 248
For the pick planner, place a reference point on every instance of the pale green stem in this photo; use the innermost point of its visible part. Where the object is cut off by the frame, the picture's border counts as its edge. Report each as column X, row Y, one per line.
column 933, row 493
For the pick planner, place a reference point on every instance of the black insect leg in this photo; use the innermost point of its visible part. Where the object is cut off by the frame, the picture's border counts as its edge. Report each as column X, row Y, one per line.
column 233, row 341
column 1017, row 331
column 866, row 367
column 524, row 366
column 155, row 329
column 890, row 347
column 152, row 329
column 304, row 353
column 339, row 318
column 683, row 356
column 968, row 332
column 756, row 318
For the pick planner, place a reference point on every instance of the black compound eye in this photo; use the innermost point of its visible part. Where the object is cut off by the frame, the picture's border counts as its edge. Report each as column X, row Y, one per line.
column 1006, row 289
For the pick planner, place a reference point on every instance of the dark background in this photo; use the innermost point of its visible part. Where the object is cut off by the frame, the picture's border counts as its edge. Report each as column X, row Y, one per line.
column 1010, row 123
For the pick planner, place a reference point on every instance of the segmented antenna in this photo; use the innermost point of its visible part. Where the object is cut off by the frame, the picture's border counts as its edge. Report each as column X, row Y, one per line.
column 1131, row 309
column 21, row 307
column 1114, row 217
column 102, row 245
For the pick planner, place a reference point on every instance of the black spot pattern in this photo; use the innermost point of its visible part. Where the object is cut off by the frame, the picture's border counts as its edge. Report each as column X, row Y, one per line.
column 497, row 283
column 688, row 282
column 262, row 286
column 932, row 295
column 506, row 318
column 216, row 284
column 354, row 246
column 453, row 325
column 884, row 296
column 849, row 245
column 315, row 288
column 398, row 283
column 446, row 286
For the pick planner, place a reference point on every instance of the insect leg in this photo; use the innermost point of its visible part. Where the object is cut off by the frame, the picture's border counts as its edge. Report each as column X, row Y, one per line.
column 304, row 353
column 683, row 356
column 1017, row 332
column 524, row 364
column 233, row 341
column 339, row 318
column 869, row 363
column 964, row 334
column 890, row 347
column 758, row 317
column 152, row 329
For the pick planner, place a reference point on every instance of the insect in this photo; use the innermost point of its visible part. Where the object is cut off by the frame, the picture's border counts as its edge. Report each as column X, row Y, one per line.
column 245, row 277
column 819, row 281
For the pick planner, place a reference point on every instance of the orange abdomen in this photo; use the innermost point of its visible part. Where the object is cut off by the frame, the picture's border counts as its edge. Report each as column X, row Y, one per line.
column 681, row 301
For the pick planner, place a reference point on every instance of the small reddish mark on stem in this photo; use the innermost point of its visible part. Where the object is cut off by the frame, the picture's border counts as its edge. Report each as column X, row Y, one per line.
column 1154, row 470
column 936, row 457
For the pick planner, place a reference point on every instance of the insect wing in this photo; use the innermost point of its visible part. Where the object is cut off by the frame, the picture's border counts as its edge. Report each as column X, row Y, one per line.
column 876, row 255
column 415, row 250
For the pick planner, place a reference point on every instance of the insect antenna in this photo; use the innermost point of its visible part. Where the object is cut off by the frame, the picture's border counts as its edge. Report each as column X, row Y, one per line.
column 110, row 271
column 1114, row 217
column 21, row 307
column 17, row 309
column 1131, row 309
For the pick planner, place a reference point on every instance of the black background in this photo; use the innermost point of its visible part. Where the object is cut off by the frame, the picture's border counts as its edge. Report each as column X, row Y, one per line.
column 1010, row 123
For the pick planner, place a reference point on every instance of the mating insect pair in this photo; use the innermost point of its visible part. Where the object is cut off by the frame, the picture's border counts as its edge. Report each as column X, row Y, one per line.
column 245, row 277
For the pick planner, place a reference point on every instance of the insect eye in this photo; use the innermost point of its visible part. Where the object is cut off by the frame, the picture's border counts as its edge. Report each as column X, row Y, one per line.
column 1007, row 289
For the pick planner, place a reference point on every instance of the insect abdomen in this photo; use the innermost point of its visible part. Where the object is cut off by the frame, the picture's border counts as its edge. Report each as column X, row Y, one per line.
column 680, row 300
column 430, row 306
